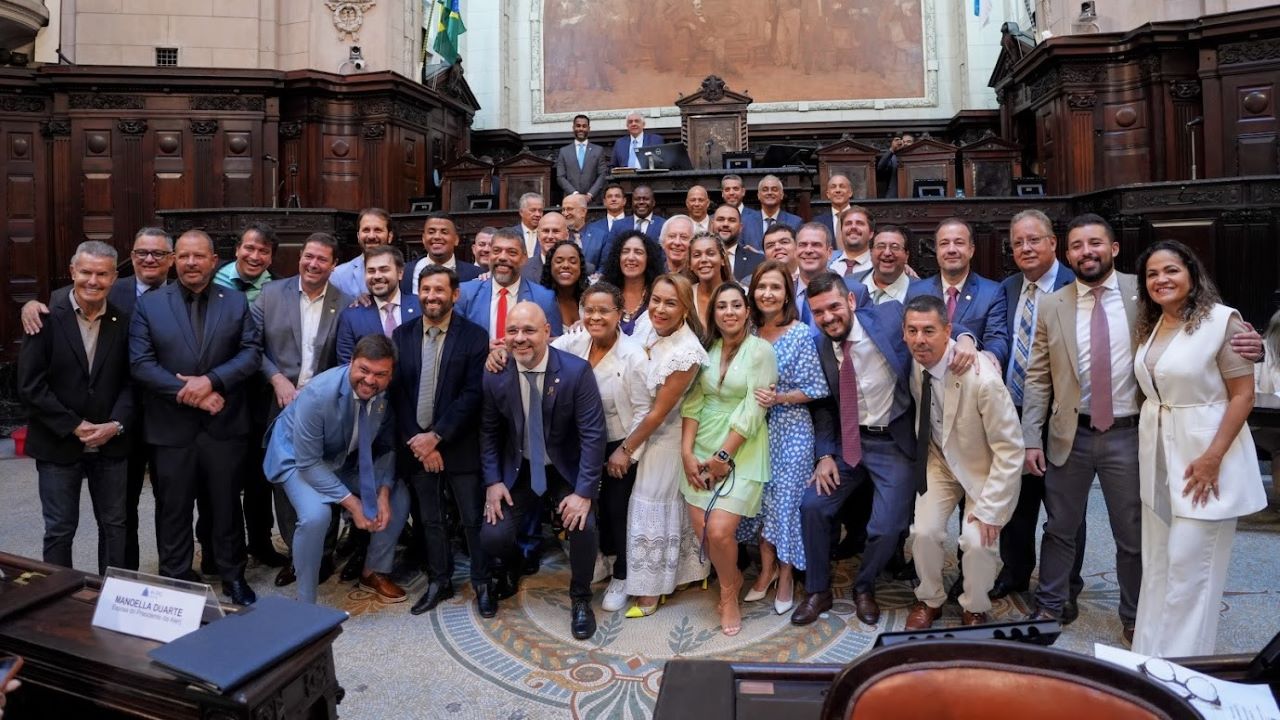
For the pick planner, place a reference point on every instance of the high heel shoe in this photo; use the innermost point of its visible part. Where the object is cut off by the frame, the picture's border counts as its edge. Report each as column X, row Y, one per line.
column 783, row 607
column 643, row 611
column 754, row 595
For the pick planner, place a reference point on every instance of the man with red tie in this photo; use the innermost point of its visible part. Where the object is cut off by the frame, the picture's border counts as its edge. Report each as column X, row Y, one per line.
column 486, row 302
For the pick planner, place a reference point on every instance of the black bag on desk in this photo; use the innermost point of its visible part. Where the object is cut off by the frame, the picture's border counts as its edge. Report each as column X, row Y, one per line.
column 234, row 649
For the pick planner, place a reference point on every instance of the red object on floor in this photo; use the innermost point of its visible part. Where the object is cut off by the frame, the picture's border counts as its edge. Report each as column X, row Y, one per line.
column 20, row 442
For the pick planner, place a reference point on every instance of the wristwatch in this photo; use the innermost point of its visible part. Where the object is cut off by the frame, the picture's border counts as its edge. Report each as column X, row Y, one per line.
column 723, row 456
column 119, row 427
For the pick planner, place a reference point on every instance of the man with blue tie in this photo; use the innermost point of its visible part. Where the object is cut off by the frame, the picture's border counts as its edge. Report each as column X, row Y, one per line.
column 334, row 445
column 542, row 438
column 976, row 306
column 626, row 149
column 769, row 192
column 193, row 347
column 436, row 396
column 581, row 166
column 487, row 302
column 388, row 307
column 596, row 235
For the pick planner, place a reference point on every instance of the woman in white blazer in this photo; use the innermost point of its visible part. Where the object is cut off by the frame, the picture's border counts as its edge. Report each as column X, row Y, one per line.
column 1197, row 464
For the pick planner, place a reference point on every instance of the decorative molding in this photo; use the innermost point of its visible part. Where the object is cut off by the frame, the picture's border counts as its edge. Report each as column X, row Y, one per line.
column 290, row 130
column 204, row 127
column 1250, row 51
column 1042, row 85
column 1184, row 89
column 21, row 103
column 227, row 103
column 713, row 88
column 374, row 132
column 1082, row 101
column 56, row 128
column 1090, row 73
column 348, row 17
column 131, row 127
column 95, row 101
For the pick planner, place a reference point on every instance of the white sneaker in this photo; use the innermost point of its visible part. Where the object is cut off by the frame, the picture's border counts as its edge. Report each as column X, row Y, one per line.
column 615, row 596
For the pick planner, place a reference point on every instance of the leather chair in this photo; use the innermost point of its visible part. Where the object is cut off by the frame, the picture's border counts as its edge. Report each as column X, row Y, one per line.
column 957, row 680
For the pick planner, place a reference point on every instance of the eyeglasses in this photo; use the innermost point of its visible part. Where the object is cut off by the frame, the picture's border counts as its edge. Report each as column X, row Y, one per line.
column 156, row 254
column 891, row 247
column 1032, row 241
column 1195, row 687
column 598, row 311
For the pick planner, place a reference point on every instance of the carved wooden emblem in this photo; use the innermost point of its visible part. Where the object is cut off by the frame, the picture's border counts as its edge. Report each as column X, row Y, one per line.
column 348, row 17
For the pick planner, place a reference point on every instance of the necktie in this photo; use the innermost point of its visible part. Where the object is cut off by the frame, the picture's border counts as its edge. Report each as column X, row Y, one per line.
column 635, row 145
column 850, row 437
column 924, row 429
column 877, row 296
column 952, row 292
column 427, row 383
column 389, row 322
column 642, row 225
column 1100, row 365
column 195, row 311
column 364, row 447
column 534, row 440
column 501, row 317
column 769, row 223
column 582, row 155
column 1022, row 345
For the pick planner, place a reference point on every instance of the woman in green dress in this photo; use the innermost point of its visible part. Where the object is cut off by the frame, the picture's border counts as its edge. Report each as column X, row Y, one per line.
column 725, row 444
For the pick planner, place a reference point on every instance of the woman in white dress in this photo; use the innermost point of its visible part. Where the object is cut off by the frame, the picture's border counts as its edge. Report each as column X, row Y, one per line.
column 661, row 550
column 1197, row 469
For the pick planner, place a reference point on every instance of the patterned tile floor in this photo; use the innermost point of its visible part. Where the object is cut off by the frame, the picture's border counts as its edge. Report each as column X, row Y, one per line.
column 524, row 664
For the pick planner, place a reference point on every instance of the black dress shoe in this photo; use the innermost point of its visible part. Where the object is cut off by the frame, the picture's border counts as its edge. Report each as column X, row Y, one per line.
column 812, row 608
column 507, row 585
column 436, row 593
column 532, row 565
column 906, row 573
column 583, row 622
column 268, row 555
column 326, row 568
column 1070, row 611
column 1005, row 588
column 239, row 592
column 353, row 569
column 286, row 576
column 486, row 601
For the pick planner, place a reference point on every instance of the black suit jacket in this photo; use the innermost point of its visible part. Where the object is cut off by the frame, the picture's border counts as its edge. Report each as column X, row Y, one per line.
column 123, row 295
column 162, row 345
column 459, row 377
column 746, row 259
column 60, row 389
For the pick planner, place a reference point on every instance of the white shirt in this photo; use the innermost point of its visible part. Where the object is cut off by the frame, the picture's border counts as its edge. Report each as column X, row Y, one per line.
column 896, row 290
column 312, row 311
column 1124, row 386
column 1044, row 286
column 701, row 227
column 530, row 241
column 647, row 220
column 541, row 370
column 620, row 375
column 959, row 286
column 875, row 378
column 451, row 263
column 764, row 219
column 611, row 219
column 843, row 265
column 512, row 293
column 140, row 287
column 382, row 308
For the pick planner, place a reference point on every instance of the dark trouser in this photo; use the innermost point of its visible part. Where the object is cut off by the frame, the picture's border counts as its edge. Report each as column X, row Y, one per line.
column 498, row 540
column 615, row 497
column 1113, row 457
column 889, row 470
column 140, row 458
column 258, row 517
column 468, row 493
column 207, row 468
column 1018, row 539
column 60, row 504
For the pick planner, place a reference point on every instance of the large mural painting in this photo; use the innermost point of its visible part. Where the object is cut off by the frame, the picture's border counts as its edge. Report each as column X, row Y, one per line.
column 615, row 55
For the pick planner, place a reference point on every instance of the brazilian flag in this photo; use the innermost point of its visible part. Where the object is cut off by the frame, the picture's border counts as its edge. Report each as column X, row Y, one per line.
column 449, row 29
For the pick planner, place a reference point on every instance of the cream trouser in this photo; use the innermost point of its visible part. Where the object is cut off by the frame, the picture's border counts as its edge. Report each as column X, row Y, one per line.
column 1184, row 571
column 980, row 564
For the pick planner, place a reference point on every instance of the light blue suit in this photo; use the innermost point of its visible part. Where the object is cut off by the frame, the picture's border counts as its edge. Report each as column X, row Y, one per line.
column 310, row 452
column 474, row 297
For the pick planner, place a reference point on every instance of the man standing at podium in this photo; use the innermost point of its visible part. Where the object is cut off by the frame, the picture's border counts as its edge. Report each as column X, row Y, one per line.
column 626, row 151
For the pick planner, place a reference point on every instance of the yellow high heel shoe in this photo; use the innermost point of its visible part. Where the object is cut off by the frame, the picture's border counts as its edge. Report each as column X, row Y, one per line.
column 642, row 611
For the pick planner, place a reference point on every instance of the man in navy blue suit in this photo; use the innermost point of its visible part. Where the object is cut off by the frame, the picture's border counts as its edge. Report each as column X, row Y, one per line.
column 743, row 259
column 642, row 218
column 595, row 236
column 626, row 147
column 193, row 346
column 769, row 192
column 436, row 397
column 439, row 240
column 976, row 305
column 388, row 307
column 487, row 302
column 864, row 432
column 542, row 438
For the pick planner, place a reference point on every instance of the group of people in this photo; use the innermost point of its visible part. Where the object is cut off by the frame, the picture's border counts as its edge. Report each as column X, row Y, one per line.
column 665, row 390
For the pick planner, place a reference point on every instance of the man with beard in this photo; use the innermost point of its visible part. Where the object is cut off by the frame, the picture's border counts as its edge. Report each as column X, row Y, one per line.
column 487, row 302
column 248, row 273
column 373, row 228
column 596, row 235
column 677, row 233
column 581, row 166
column 839, row 191
column 436, row 397
column 698, row 203
column 439, row 240
column 857, row 225
column 643, row 218
column 552, row 228
column 574, row 209
column 389, row 307
column 727, row 225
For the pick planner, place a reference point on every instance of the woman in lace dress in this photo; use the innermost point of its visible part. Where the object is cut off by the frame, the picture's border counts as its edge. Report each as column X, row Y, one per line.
column 661, row 552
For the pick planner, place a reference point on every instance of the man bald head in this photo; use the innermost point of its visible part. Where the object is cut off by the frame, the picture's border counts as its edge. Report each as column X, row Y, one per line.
column 528, row 333
column 552, row 228
column 697, row 202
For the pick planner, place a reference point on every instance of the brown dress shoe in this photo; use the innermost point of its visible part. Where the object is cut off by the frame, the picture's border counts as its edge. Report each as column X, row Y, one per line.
column 381, row 585
column 812, row 607
column 922, row 616
column 967, row 618
column 1127, row 634
column 868, row 610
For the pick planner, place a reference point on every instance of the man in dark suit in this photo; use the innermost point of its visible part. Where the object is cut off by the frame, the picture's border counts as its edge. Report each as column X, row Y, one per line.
column 1034, row 249
column 436, row 398
column 643, row 218
column 625, row 150
column 976, row 305
column 770, row 193
column 727, row 225
column 732, row 192
column 596, row 235
column 552, row 228
column 839, row 191
column 297, row 318
column 531, row 207
column 887, row 166
column 388, row 307
column 152, row 257
column 581, row 166
column 439, row 240
column 542, row 438
column 193, row 347
column 856, row 226
column 487, row 302
column 864, row 432
column 73, row 378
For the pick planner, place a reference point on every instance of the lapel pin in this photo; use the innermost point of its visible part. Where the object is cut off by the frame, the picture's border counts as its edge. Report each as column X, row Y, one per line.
column 219, row 294
column 968, row 297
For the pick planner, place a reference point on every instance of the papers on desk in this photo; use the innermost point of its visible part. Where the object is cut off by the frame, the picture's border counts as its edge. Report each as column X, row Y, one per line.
column 1237, row 700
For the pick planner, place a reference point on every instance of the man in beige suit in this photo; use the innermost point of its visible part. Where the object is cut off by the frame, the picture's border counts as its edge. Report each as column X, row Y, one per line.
column 968, row 447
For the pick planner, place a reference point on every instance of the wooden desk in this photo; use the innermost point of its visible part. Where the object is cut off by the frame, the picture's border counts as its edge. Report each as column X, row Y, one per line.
column 75, row 670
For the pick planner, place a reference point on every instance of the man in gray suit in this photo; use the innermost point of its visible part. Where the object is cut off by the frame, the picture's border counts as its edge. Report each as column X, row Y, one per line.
column 581, row 165
column 298, row 321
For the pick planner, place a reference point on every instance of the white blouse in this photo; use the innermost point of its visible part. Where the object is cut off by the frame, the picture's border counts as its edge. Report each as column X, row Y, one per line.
column 620, row 375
